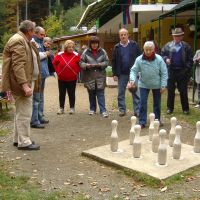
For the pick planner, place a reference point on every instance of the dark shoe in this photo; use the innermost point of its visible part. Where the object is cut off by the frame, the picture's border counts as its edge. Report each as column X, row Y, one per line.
column 142, row 126
column 30, row 147
column 169, row 112
column 44, row 121
column 135, row 114
column 121, row 113
column 15, row 144
column 161, row 124
column 37, row 126
column 186, row 112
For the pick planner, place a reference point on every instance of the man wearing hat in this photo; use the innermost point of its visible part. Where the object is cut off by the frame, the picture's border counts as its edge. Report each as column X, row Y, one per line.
column 178, row 56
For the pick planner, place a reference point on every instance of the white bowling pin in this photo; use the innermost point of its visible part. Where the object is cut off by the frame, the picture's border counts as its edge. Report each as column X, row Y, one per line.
column 162, row 148
column 132, row 131
column 155, row 139
column 177, row 143
column 114, row 136
column 172, row 131
column 151, row 126
column 197, row 138
column 137, row 142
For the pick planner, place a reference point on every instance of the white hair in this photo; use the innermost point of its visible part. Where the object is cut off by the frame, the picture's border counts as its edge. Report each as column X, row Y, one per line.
column 149, row 44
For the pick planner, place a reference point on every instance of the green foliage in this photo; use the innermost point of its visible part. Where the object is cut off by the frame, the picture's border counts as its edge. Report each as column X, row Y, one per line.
column 5, row 38
column 53, row 26
column 109, row 71
column 72, row 17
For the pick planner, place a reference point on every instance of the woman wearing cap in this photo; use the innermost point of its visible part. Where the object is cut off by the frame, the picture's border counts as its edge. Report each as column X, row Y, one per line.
column 67, row 67
column 94, row 60
column 153, row 76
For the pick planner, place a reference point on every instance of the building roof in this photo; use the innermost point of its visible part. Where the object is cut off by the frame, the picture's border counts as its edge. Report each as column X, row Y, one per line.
column 181, row 7
column 68, row 37
column 94, row 11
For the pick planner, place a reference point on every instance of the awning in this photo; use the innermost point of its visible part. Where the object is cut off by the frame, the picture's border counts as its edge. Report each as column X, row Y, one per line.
column 181, row 7
column 95, row 11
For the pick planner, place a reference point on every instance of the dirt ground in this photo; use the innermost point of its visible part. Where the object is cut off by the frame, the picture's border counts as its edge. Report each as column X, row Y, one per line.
column 59, row 164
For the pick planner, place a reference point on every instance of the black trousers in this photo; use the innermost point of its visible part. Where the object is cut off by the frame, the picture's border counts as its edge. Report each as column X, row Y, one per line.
column 70, row 87
column 179, row 79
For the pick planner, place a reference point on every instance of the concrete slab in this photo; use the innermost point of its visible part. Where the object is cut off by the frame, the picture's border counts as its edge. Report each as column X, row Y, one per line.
column 148, row 162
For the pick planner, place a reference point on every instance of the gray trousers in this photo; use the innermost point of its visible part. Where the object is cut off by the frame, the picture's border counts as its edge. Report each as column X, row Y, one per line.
column 22, row 118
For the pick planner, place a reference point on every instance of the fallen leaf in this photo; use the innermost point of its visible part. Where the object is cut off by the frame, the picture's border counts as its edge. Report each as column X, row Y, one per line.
column 143, row 195
column 67, row 183
column 94, row 183
column 190, row 178
column 18, row 158
column 163, row 189
column 196, row 190
column 105, row 189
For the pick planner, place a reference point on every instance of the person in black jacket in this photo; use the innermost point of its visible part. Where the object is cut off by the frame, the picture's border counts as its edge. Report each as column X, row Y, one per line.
column 178, row 56
column 124, row 55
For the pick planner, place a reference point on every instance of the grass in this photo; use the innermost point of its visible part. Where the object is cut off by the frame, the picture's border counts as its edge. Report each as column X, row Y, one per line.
column 6, row 115
column 20, row 188
column 3, row 132
column 191, row 119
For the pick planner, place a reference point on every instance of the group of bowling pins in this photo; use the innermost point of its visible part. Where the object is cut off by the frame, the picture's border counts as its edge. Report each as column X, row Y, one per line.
column 157, row 137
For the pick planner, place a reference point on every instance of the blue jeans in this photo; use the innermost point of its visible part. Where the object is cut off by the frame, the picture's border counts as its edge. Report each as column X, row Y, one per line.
column 198, row 88
column 36, row 112
column 122, row 83
column 41, row 105
column 99, row 94
column 143, row 104
column 38, row 105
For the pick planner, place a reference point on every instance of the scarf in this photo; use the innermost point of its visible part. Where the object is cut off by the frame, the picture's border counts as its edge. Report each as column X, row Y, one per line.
column 149, row 58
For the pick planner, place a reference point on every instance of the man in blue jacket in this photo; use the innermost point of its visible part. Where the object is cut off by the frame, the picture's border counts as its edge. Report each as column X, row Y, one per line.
column 124, row 55
column 37, row 120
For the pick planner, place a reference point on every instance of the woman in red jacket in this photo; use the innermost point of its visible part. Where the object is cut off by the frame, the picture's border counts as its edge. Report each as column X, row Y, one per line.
column 66, row 65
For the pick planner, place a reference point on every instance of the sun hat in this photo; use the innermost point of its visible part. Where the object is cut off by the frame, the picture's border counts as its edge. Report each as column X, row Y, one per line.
column 177, row 32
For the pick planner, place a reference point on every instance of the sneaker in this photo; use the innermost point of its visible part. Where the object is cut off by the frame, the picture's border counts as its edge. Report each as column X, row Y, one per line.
column 142, row 126
column 91, row 112
column 72, row 111
column 105, row 114
column 197, row 106
column 169, row 112
column 122, row 113
column 186, row 112
column 60, row 111
column 161, row 124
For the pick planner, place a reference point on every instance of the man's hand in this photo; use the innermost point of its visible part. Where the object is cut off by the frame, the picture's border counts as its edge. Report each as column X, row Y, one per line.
column 48, row 53
column 162, row 90
column 115, row 78
column 168, row 61
column 89, row 65
column 132, row 83
column 98, row 65
column 27, row 90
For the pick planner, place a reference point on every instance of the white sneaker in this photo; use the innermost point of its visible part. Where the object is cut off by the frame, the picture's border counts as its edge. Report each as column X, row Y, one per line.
column 72, row 111
column 91, row 112
column 105, row 114
column 60, row 111
column 197, row 106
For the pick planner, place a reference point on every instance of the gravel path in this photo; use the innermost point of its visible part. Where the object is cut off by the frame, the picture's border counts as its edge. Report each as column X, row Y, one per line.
column 60, row 166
